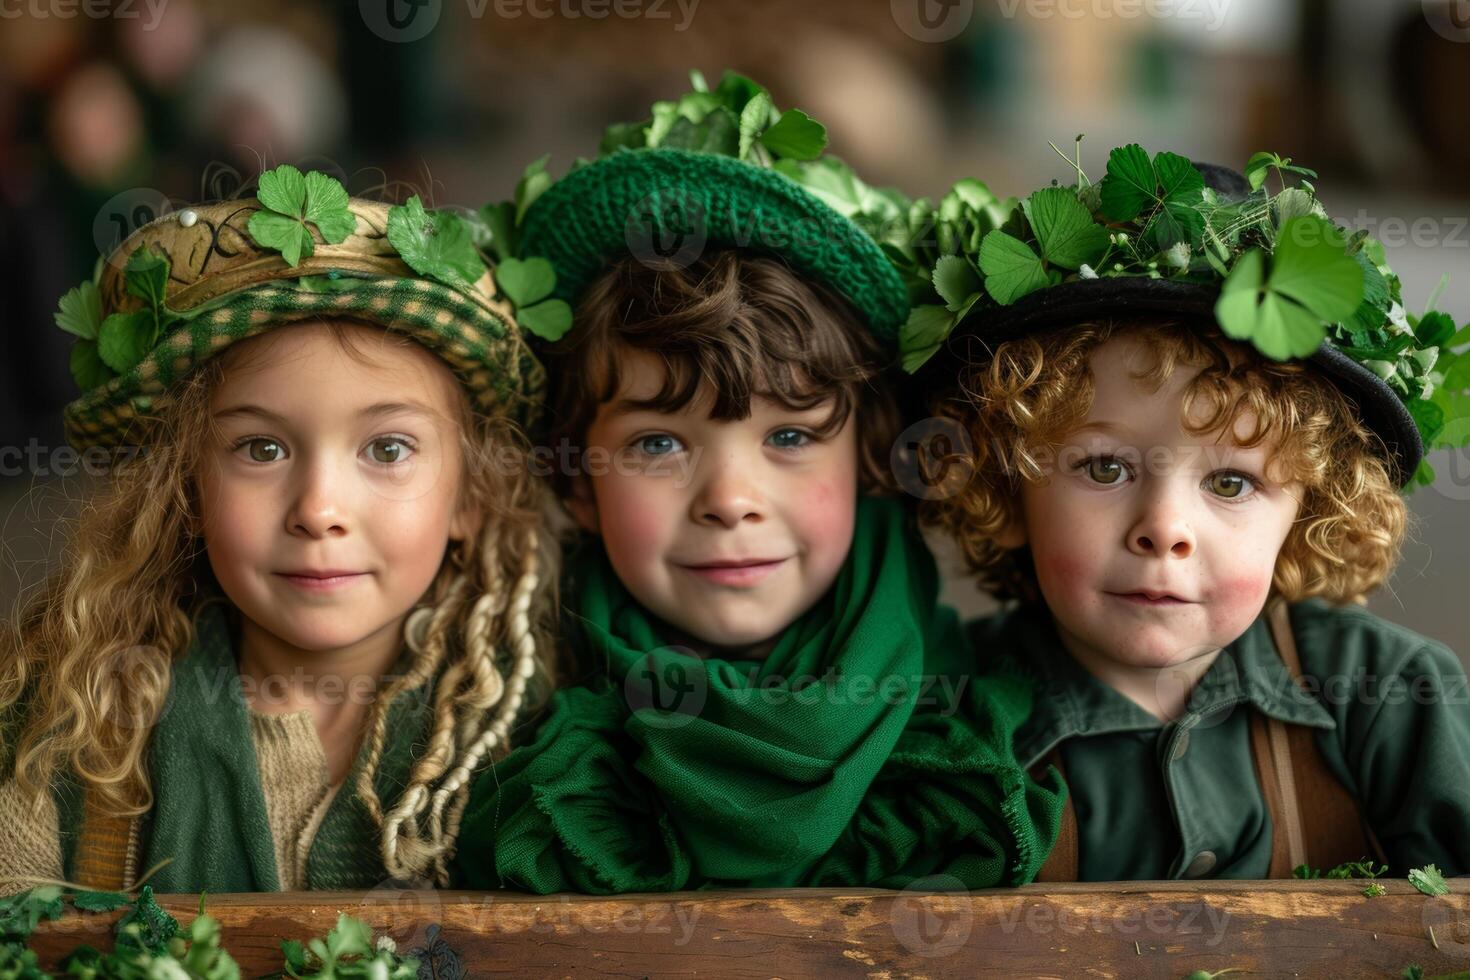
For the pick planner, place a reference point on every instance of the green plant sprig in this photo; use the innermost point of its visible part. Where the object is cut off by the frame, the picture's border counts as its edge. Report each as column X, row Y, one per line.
column 150, row 944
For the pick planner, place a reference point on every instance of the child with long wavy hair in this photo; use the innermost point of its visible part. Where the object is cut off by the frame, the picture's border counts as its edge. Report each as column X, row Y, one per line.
column 313, row 599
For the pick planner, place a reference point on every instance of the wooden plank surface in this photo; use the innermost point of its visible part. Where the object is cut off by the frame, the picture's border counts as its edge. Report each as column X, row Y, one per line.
column 1139, row 929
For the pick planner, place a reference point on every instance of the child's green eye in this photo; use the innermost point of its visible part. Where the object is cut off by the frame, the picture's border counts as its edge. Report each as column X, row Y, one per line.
column 788, row 438
column 659, row 444
column 389, row 451
column 263, row 450
column 1106, row 470
column 1229, row 484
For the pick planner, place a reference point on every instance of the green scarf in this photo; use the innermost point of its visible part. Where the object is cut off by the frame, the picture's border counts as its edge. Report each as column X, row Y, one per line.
column 792, row 770
column 209, row 813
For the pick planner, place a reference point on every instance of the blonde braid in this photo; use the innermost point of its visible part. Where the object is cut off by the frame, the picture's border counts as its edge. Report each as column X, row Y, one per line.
column 429, row 645
column 470, row 687
column 522, row 641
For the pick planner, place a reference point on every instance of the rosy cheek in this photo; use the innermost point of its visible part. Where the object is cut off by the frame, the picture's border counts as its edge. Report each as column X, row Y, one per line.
column 1242, row 592
column 1062, row 570
column 631, row 520
column 827, row 516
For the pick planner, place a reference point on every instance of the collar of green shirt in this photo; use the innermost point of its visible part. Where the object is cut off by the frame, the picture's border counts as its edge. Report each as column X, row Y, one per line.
column 1070, row 701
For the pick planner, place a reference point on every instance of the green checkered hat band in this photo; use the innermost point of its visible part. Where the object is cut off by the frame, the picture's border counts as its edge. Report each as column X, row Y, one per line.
column 486, row 354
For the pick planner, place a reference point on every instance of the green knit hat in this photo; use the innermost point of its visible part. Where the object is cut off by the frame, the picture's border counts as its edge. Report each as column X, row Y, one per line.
column 721, row 168
column 186, row 286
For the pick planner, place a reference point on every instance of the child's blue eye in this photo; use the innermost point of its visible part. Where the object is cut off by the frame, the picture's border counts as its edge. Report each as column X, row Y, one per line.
column 389, row 451
column 659, row 444
column 789, row 438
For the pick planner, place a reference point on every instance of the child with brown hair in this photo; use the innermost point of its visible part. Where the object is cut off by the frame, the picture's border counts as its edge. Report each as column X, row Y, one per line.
column 770, row 693
column 1185, row 469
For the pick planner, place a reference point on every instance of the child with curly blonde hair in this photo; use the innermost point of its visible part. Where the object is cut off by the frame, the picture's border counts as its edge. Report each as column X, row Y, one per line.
column 312, row 598
column 1188, row 491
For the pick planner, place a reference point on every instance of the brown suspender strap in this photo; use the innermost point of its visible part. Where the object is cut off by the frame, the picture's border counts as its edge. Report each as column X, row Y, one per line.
column 1274, row 785
column 1061, row 863
column 102, row 849
column 1314, row 819
column 1313, row 809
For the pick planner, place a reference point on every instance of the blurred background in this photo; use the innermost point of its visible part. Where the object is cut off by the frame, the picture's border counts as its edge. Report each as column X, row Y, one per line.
column 113, row 112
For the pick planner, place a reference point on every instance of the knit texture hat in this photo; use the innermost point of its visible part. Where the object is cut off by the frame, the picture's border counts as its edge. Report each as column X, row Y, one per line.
column 719, row 168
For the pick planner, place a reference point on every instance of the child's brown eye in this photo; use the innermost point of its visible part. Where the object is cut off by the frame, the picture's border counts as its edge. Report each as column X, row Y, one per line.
column 1104, row 470
column 388, row 451
column 264, row 450
column 1227, row 484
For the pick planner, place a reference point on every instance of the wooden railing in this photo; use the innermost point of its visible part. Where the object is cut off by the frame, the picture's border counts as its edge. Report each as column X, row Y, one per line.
column 1139, row 929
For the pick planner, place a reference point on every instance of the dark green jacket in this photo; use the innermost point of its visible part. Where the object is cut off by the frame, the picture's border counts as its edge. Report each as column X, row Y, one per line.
column 1157, row 801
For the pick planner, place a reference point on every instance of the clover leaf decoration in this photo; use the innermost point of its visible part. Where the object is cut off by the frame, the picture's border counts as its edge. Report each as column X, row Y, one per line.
column 437, row 244
column 1289, row 279
column 527, row 283
column 1312, row 282
column 109, row 346
column 292, row 202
